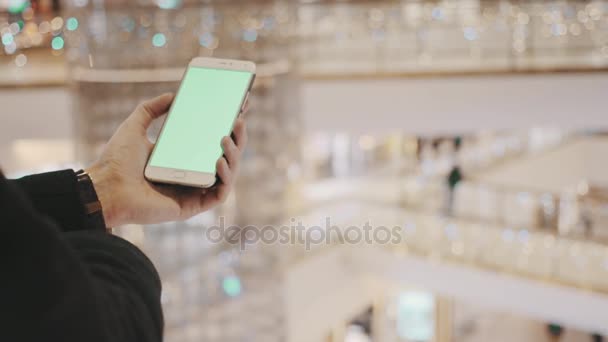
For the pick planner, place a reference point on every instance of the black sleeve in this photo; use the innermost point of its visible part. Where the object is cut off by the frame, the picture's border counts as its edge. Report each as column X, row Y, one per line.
column 56, row 195
column 77, row 286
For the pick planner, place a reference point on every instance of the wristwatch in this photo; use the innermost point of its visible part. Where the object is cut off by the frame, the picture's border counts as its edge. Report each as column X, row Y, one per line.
column 88, row 196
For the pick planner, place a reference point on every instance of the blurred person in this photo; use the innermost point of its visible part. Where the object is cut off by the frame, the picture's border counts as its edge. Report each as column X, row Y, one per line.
column 556, row 332
column 457, row 143
column 419, row 148
column 65, row 276
column 453, row 179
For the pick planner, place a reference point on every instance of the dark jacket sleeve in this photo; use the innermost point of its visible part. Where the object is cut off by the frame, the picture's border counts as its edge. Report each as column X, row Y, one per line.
column 56, row 195
column 76, row 286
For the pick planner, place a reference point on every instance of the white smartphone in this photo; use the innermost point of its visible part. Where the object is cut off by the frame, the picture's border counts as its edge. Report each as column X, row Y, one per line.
column 210, row 98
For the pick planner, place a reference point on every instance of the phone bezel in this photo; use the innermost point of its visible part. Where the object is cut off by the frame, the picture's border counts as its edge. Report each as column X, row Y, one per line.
column 188, row 177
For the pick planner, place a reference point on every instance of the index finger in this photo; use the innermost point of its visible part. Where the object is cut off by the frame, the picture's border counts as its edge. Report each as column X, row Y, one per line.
column 245, row 107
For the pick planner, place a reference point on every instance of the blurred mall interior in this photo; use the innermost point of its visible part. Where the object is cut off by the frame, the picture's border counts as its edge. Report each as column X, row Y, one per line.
column 479, row 128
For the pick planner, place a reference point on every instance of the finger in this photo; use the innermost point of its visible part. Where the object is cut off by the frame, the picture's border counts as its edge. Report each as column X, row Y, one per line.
column 240, row 134
column 151, row 109
column 223, row 171
column 231, row 152
column 225, row 175
column 245, row 107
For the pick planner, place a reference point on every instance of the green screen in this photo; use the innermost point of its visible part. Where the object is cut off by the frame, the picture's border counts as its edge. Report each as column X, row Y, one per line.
column 202, row 114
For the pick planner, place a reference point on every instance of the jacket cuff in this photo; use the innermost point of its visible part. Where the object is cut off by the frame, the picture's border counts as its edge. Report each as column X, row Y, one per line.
column 57, row 195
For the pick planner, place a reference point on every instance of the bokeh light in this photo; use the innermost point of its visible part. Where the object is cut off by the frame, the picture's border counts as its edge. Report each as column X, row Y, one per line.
column 57, row 23
column 71, row 24
column 44, row 27
column 7, row 39
column 159, row 40
column 232, row 286
column 206, row 39
column 128, row 24
column 470, row 33
column 250, row 35
column 17, row 6
column 80, row 3
column 10, row 48
column 57, row 43
column 20, row 60
column 168, row 4
column 14, row 28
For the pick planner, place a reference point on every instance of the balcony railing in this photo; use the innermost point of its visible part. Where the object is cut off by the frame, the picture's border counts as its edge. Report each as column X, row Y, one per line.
column 323, row 39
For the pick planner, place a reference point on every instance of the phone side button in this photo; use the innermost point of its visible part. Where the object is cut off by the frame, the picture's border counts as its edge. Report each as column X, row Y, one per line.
column 178, row 174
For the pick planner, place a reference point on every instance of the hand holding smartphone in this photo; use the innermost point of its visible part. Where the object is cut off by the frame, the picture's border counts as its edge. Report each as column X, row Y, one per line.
column 210, row 98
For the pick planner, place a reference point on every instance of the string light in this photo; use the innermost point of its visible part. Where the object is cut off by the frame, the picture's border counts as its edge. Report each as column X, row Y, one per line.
column 554, row 20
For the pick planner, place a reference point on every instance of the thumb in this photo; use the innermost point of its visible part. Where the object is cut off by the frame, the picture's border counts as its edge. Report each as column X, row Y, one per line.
column 151, row 109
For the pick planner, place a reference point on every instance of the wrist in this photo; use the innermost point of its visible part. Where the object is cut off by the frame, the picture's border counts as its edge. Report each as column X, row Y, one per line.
column 105, row 188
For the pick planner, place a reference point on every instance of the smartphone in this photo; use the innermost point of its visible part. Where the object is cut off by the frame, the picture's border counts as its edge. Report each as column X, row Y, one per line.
column 210, row 98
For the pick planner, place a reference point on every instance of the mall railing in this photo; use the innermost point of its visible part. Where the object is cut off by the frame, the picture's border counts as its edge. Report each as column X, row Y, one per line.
column 427, row 37
column 571, row 213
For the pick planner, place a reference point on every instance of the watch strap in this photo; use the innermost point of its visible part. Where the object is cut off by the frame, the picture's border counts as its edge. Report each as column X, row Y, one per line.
column 93, row 210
